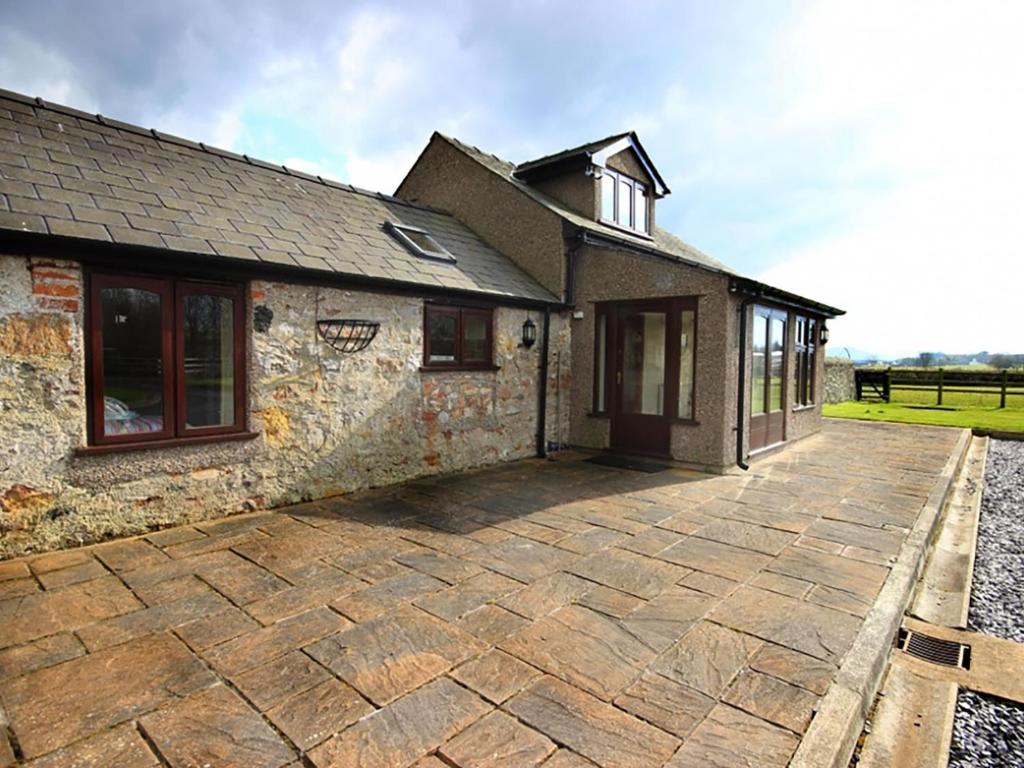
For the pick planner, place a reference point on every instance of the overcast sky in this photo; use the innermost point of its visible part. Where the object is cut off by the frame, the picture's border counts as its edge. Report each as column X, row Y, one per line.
column 865, row 154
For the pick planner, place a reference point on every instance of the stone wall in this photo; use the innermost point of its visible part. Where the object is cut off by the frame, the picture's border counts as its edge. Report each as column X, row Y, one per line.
column 839, row 380
column 328, row 423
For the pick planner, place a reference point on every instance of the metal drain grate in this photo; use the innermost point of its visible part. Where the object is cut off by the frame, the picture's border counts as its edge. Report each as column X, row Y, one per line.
column 936, row 650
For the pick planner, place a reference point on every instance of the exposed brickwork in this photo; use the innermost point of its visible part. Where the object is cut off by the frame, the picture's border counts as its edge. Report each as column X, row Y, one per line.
column 56, row 285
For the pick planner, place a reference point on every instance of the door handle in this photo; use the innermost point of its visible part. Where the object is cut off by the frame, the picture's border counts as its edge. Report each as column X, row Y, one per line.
column 618, row 377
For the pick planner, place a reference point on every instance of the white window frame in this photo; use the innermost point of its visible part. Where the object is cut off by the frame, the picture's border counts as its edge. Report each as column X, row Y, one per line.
column 642, row 228
column 398, row 231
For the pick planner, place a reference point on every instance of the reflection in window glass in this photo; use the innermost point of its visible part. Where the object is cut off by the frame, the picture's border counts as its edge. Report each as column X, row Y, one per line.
column 641, row 209
column 602, row 361
column 132, row 354
column 778, row 343
column 686, row 351
column 474, row 338
column 608, row 197
column 643, row 366
column 209, row 360
column 625, row 203
column 759, row 370
column 442, row 337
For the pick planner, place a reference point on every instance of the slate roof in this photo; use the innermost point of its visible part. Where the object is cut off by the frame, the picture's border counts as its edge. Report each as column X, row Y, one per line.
column 65, row 172
column 583, row 149
column 661, row 241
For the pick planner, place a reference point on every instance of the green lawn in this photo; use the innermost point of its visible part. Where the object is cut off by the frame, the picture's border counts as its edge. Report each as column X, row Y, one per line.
column 987, row 418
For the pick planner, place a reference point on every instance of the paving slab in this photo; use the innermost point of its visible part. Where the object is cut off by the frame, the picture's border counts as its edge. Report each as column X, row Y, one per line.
column 52, row 707
column 389, row 656
column 550, row 613
column 215, row 727
column 594, row 729
column 404, row 731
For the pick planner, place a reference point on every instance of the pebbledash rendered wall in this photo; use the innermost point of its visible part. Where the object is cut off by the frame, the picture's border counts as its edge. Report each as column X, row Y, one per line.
column 328, row 423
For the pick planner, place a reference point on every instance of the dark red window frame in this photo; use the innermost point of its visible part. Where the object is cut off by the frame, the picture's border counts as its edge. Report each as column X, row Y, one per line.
column 172, row 292
column 459, row 313
column 806, row 350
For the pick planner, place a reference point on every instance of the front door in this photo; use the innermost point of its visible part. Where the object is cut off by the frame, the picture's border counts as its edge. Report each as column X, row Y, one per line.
column 768, row 378
column 640, row 423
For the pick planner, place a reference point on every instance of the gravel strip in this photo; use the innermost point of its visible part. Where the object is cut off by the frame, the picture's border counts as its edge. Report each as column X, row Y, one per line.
column 987, row 732
column 997, row 595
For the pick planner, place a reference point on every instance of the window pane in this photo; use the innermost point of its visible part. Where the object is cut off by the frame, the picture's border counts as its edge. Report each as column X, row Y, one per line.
column 759, row 370
column 132, row 361
column 441, row 328
column 601, row 368
column 608, row 197
column 625, row 203
column 778, row 343
column 643, row 365
column 474, row 338
column 209, row 328
column 641, row 209
column 686, row 349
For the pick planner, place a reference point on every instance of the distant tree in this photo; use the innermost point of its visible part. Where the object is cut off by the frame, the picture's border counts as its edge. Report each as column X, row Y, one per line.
column 1000, row 361
column 925, row 359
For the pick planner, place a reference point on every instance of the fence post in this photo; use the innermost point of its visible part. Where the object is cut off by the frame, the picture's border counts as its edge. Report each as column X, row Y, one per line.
column 940, row 387
column 887, row 385
column 1002, row 392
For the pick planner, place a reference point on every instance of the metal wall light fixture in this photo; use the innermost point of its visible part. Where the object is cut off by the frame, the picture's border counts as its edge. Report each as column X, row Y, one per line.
column 823, row 334
column 529, row 333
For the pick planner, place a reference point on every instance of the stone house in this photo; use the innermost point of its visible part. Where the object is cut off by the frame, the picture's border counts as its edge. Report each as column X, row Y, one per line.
column 186, row 332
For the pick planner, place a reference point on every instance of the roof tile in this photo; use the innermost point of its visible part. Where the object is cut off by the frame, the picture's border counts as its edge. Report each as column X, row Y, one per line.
column 131, row 236
column 78, row 229
column 22, row 222
column 163, row 192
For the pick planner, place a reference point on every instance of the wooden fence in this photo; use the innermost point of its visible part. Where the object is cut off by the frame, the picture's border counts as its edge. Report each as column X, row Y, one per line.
column 880, row 384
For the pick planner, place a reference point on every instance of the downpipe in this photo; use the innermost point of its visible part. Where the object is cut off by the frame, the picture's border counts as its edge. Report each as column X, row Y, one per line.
column 742, row 384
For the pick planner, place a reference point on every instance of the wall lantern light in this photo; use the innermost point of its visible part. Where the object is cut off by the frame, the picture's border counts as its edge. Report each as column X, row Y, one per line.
column 529, row 333
column 823, row 335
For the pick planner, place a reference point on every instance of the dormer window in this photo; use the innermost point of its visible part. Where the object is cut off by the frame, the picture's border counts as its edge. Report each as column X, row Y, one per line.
column 623, row 201
column 420, row 242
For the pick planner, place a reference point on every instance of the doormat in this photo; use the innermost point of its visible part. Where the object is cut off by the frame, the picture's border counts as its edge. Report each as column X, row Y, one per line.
column 627, row 462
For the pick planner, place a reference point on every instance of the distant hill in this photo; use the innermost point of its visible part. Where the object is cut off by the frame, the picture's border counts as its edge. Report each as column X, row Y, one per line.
column 931, row 359
column 993, row 360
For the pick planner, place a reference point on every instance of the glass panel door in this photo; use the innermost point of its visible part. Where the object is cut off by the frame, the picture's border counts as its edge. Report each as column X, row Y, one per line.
column 687, row 341
column 643, row 363
column 132, row 322
column 778, row 348
column 758, row 381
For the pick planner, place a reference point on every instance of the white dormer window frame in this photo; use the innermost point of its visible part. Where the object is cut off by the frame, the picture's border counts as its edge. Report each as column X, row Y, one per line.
column 630, row 206
column 419, row 242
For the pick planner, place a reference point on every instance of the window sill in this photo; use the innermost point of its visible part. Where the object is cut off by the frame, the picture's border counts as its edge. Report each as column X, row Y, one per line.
column 174, row 442
column 459, row 368
column 686, row 422
column 802, row 408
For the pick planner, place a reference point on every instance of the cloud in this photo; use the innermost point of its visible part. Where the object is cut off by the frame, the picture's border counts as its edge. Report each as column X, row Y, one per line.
column 30, row 67
column 864, row 154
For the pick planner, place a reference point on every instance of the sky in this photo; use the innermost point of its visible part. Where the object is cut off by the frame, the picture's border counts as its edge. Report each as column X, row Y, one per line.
column 869, row 155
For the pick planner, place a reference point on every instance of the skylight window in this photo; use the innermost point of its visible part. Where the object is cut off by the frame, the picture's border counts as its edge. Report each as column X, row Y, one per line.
column 420, row 242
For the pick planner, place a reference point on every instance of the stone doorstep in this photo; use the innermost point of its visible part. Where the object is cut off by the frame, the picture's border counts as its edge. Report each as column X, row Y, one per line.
column 831, row 738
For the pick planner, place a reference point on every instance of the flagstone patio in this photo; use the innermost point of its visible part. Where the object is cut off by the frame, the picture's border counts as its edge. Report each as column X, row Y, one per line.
column 539, row 613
